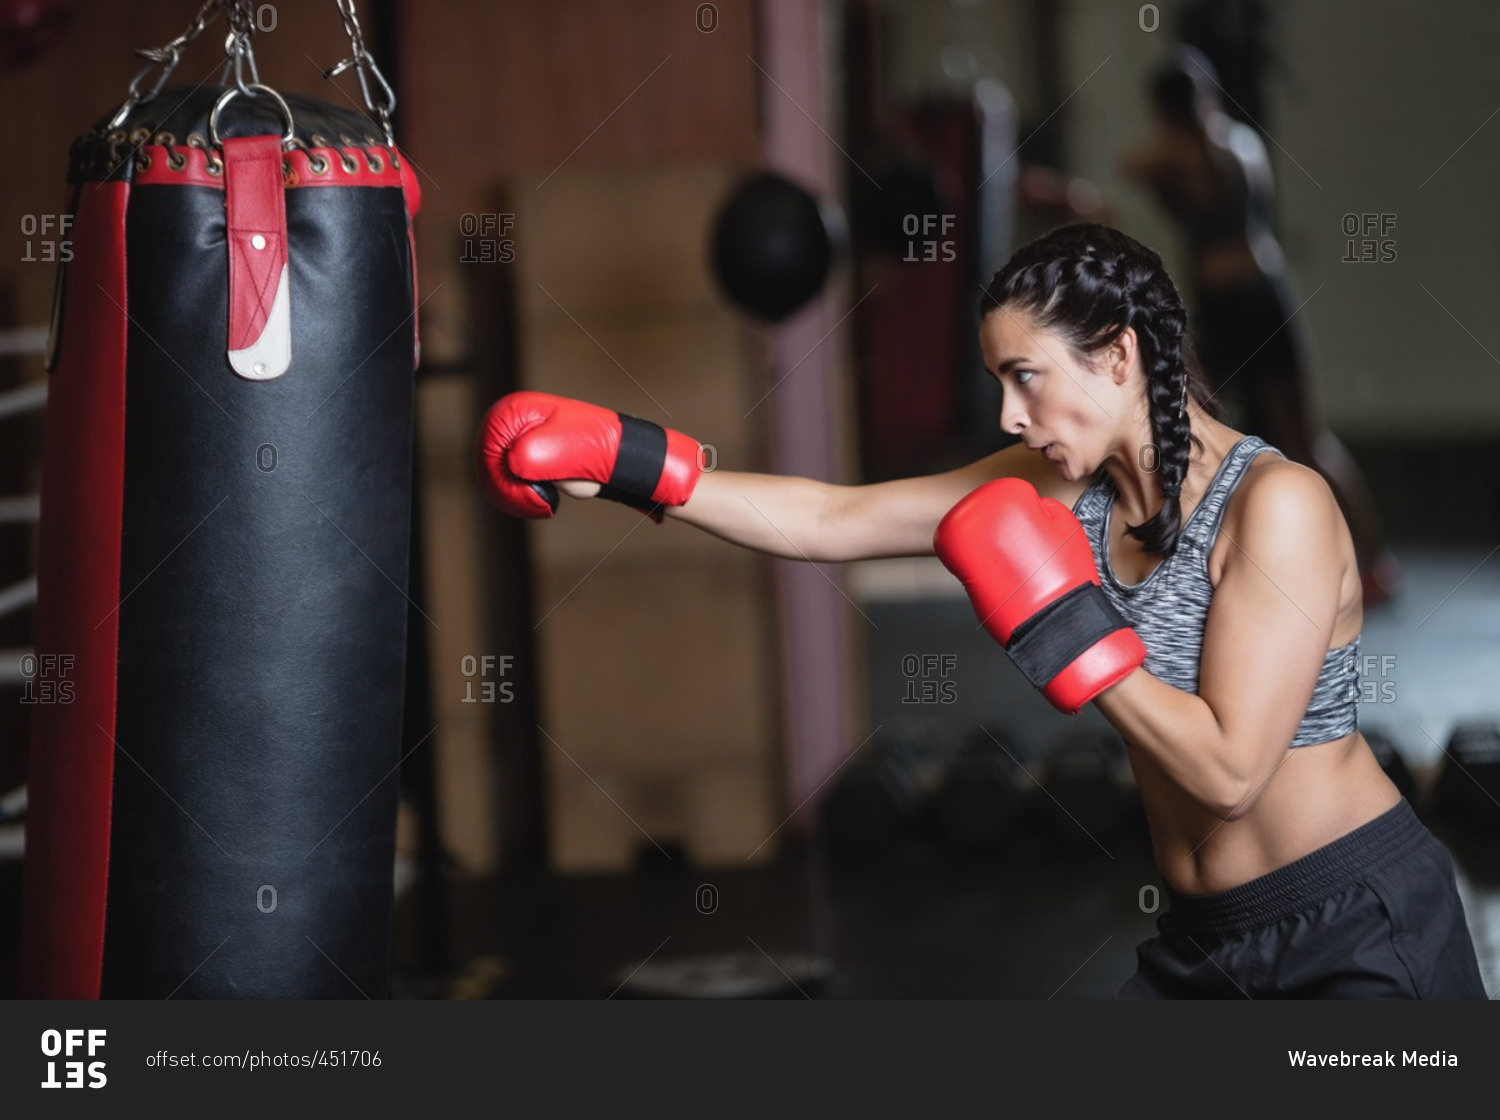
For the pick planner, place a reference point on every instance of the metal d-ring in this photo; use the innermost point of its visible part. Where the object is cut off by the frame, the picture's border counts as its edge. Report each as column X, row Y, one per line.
column 228, row 94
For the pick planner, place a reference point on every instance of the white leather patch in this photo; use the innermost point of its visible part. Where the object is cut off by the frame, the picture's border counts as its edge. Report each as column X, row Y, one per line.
column 270, row 354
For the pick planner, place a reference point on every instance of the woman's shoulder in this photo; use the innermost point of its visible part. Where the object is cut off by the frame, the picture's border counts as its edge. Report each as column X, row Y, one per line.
column 1273, row 483
column 1284, row 525
column 1277, row 500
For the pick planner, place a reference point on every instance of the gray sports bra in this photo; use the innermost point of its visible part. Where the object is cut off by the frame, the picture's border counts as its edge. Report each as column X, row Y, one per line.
column 1169, row 608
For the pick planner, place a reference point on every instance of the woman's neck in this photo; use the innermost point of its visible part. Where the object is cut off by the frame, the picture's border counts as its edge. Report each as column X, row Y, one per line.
column 1139, row 491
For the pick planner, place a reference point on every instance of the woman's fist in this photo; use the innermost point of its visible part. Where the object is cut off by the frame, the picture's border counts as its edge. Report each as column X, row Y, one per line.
column 529, row 441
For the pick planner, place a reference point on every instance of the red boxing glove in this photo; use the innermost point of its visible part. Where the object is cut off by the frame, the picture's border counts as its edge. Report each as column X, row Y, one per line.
column 529, row 440
column 1026, row 563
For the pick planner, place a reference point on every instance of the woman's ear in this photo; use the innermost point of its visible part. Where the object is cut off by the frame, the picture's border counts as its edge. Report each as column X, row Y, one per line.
column 1121, row 354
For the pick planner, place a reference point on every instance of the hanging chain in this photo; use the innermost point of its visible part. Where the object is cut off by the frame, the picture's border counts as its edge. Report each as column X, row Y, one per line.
column 166, row 58
column 365, row 69
column 239, row 61
column 239, row 55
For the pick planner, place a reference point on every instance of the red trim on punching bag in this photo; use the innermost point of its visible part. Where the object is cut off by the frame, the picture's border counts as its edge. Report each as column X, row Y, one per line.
column 411, row 190
column 157, row 165
column 71, row 769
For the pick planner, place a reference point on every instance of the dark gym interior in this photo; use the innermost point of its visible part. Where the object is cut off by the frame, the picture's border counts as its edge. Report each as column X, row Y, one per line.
column 638, row 762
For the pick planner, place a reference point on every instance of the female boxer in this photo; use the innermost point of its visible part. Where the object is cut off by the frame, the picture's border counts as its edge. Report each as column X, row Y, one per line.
column 1132, row 551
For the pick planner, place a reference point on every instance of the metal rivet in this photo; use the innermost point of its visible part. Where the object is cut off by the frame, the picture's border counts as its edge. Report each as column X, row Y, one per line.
column 258, row 242
column 259, row 367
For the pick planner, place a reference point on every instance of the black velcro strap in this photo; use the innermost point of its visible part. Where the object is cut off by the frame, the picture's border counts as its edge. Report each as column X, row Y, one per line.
column 1051, row 640
column 638, row 466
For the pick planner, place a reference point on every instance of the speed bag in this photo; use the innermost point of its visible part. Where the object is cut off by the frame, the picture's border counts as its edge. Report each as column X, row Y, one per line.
column 222, row 568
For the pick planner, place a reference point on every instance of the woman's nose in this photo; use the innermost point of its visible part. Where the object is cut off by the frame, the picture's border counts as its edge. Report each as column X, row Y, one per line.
column 1012, row 420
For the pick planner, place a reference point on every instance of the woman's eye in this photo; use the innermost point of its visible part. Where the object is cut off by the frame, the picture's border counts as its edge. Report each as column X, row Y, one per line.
column 1023, row 376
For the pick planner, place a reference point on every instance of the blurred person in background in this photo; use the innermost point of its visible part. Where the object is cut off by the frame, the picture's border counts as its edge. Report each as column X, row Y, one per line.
column 1211, row 174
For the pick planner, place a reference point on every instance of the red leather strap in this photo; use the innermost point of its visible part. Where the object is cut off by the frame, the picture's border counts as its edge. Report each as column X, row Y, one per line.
column 259, row 296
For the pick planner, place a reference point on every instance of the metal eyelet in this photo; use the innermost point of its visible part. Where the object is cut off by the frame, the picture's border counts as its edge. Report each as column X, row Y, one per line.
column 196, row 140
column 165, row 139
column 318, row 141
column 347, row 162
column 395, row 159
column 176, row 160
column 376, row 164
column 213, row 166
column 318, row 164
column 345, row 141
column 140, row 135
column 143, row 162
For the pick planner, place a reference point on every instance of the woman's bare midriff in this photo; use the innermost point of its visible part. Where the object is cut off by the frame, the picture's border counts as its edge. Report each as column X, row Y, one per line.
column 1318, row 793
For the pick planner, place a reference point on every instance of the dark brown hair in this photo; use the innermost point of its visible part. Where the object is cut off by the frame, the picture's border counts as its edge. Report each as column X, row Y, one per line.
column 1087, row 283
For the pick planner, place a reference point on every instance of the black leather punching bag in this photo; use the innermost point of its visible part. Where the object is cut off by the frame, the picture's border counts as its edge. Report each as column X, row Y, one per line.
column 223, row 556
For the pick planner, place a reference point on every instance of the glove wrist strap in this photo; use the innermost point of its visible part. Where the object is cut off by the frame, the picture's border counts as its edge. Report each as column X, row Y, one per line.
column 638, row 465
column 1053, row 638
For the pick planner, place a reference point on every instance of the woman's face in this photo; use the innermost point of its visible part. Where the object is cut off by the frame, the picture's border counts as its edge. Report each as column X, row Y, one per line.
column 1059, row 405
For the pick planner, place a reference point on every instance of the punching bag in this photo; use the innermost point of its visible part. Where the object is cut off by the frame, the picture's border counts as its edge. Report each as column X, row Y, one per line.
column 226, row 497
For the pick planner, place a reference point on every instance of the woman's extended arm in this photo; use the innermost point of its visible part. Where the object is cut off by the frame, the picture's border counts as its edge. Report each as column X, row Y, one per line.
column 531, row 445
column 803, row 519
column 1268, row 630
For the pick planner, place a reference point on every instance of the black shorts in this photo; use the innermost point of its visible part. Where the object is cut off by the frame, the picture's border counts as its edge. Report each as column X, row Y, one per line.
column 1373, row 915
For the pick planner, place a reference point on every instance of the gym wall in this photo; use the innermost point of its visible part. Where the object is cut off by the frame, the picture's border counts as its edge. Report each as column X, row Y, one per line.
column 654, row 641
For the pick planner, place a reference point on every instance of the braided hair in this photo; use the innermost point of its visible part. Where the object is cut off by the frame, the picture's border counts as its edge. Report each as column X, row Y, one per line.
column 1087, row 283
